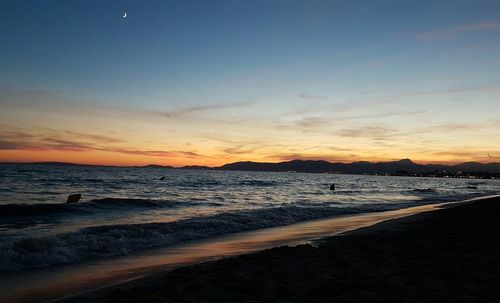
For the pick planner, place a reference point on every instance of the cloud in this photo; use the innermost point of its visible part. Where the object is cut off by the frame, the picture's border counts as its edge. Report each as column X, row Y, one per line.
column 149, row 153
column 485, row 25
column 494, row 87
column 201, row 108
column 373, row 132
column 57, row 102
column 311, row 97
column 491, row 125
column 8, row 145
column 311, row 122
column 340, row 149
column 459, row 154
column 63, row 144
column 96, row 138
column 328, row 123
column 465, row 152
column 384, row 115
column 189, row 154
column 455, row 126
column 18, row 140
column 459, row 30
column 305, row 124
column 238, row 150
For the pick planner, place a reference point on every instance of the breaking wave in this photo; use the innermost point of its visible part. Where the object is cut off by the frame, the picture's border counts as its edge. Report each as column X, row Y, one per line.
column 28, row 210
column 425, row 190
column 112, row 240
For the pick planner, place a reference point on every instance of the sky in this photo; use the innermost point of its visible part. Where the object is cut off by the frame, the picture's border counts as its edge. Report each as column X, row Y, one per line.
column 212, row 82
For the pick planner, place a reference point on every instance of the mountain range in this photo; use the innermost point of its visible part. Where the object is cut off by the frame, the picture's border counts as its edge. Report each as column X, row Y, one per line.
column 404, row 166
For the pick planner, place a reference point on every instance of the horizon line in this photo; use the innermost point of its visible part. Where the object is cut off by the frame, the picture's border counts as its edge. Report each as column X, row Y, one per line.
column 215, row 167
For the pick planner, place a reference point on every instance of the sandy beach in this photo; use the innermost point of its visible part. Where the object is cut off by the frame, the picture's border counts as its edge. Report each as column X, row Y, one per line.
column 448, row 255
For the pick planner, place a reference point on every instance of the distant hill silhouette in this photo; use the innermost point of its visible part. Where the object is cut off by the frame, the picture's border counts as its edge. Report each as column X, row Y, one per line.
column 401, row 167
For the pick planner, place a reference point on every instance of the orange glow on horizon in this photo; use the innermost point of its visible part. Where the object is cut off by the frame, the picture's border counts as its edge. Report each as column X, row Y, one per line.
column 120, row 159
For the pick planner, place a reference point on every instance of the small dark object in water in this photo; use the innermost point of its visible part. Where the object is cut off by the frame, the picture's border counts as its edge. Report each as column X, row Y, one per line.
column 332, row 187
column 472, row 187
column 162, row 178
column 74, row 198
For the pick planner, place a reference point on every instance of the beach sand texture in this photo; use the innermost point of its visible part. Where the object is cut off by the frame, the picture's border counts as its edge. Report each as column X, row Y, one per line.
column 449, row 255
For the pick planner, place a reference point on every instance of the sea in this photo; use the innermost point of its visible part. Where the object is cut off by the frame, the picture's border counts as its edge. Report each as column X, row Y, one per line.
column 124, row 210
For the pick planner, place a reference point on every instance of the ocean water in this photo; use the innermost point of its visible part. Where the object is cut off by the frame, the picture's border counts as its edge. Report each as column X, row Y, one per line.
column 126, row 210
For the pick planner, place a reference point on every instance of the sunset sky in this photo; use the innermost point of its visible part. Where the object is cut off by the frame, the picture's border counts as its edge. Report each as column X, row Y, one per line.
column 212, row 82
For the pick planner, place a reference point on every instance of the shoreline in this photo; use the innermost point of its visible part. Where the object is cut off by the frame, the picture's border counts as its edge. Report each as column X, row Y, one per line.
column 399, row 250
column 90, row 278
column 384, row 225
column 41, row 285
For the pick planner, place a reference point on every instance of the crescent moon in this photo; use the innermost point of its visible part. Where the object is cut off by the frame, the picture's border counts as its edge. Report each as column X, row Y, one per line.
column 125, row 15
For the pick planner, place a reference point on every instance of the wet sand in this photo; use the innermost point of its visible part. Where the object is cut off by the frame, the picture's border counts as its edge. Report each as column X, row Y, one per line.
column 448, row 255
column 40, row 285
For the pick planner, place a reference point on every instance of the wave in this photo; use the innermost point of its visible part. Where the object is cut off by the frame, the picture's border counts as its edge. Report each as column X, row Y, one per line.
column 199, row 183
column 43, row 209
column 113, row 240
column 425, row 190
column 25, row 210
column 258, row 183
column 477, row 183
column 93, row 180
column 208, row 183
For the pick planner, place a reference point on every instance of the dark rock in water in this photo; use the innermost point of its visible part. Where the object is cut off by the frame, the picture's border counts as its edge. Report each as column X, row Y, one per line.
column 162, row 178
column 472, row 187
column 332, row 187
column 74, row 198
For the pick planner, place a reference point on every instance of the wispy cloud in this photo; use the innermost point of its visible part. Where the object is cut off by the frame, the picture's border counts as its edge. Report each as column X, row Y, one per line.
column 181, row 112
column 490, row 125
column 311, row 97
column 8, row 145
column 149, row 153
column 389, row 98
column 79, row 142
column 372, row 132
column 455, row 126
column 384, row 115
column 93, row 137
column 495, row 24
column 459, row 30
column 307, row 124
column 326, row 124
column 238, row 150
column 49, row 101
column 465, row 154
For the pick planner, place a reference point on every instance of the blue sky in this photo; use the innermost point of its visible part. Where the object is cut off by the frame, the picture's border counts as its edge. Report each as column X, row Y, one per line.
column 288, row 61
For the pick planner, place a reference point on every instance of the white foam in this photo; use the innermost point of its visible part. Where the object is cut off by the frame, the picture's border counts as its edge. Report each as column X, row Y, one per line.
column 112, row 240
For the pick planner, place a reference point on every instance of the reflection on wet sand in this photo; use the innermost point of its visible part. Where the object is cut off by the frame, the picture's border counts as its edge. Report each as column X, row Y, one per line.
column 65, row 281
